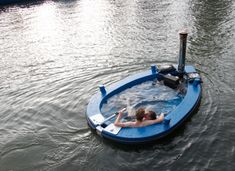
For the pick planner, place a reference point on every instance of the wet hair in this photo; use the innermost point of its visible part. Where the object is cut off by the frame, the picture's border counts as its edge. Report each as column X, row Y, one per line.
column 140, row 113
column 152, row 115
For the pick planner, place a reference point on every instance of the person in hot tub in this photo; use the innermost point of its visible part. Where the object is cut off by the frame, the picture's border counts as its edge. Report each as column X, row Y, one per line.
column 140, row 121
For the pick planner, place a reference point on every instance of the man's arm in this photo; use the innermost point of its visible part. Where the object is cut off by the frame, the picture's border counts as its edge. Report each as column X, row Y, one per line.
column 117, row 121
column 122, row 124
column 150, row 122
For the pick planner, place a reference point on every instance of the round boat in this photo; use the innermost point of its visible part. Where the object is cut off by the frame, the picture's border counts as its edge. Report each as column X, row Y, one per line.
column 186, row 75
column 97, row 121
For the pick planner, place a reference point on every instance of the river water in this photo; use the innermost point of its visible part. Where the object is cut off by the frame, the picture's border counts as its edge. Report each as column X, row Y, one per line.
column 54, row 54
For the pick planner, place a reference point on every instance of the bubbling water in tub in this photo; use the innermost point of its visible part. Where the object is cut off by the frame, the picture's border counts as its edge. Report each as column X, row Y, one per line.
column 150, row 95
column 130, row 109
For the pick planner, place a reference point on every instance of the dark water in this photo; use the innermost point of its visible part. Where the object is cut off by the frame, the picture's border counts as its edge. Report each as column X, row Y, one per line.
column 54, row 54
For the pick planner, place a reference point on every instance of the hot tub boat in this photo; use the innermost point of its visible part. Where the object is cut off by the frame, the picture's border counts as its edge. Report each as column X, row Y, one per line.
column 171, row 77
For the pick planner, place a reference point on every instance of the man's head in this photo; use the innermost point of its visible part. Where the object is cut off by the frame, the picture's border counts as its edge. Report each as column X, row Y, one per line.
column 140, row 113
column 151, row 115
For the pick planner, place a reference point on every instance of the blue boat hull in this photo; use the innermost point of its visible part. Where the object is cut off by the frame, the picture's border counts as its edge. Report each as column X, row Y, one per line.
column 152, row 132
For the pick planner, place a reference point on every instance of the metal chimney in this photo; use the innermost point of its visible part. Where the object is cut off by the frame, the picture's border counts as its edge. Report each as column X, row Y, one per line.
column 182, row 53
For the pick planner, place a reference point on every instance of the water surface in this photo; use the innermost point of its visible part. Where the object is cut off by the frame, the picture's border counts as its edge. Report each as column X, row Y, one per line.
column 150, row 95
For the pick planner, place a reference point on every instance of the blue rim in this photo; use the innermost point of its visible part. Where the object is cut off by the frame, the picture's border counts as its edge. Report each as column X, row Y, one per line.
column 152, row 132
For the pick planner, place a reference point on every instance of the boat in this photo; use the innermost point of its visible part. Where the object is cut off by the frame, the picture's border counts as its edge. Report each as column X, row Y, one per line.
column 170, row 75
